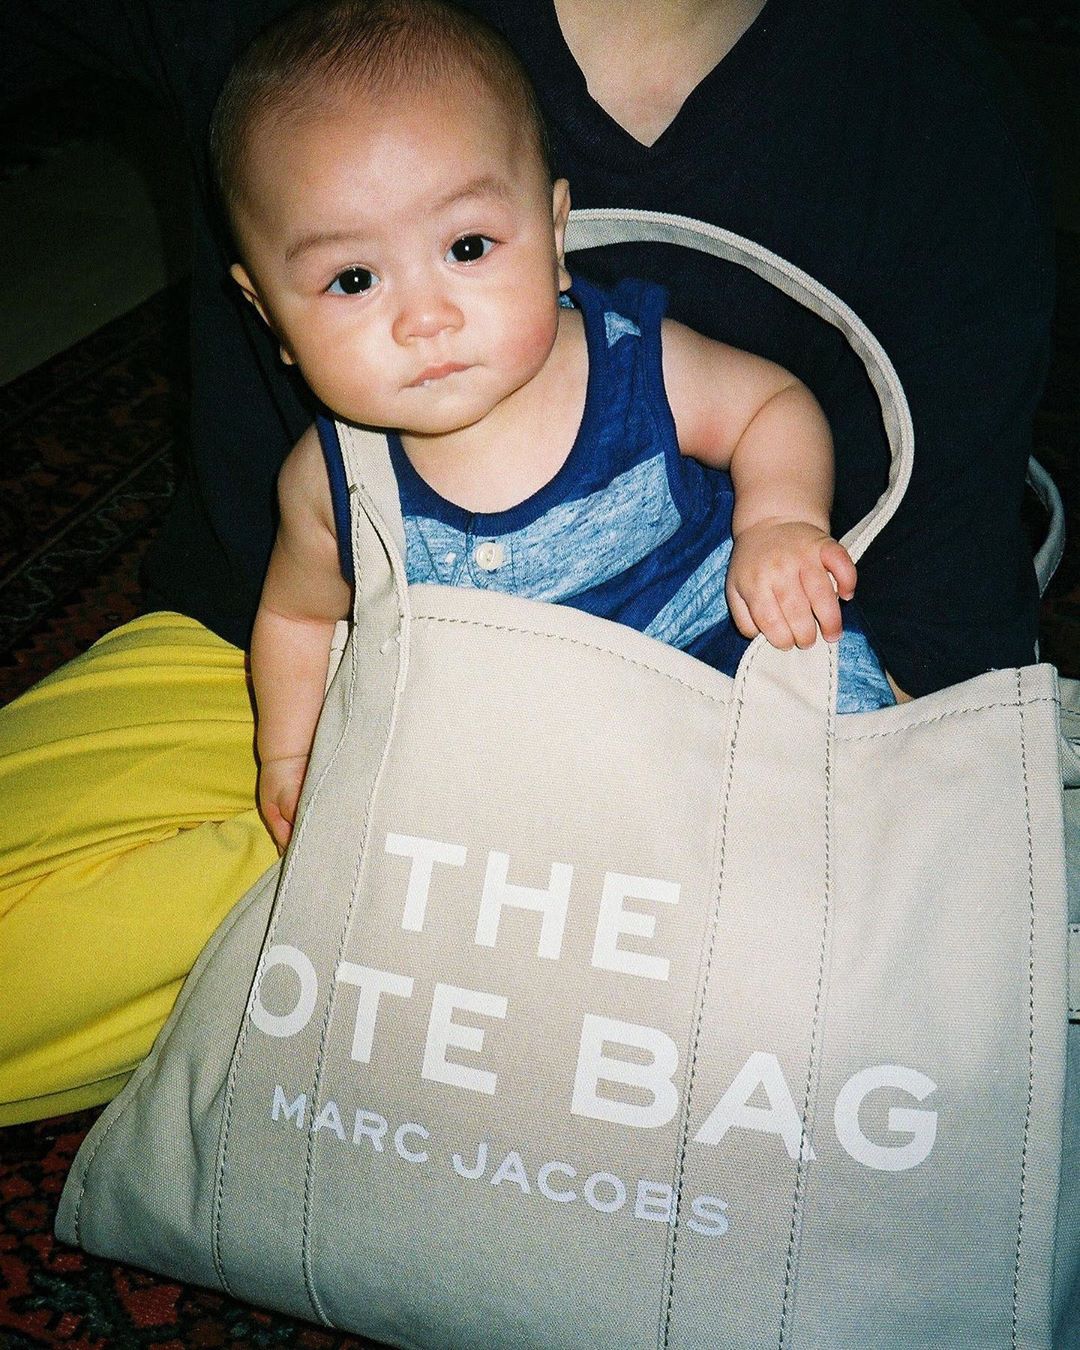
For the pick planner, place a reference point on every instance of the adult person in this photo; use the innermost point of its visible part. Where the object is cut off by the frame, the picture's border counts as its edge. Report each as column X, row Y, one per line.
column 866, row 140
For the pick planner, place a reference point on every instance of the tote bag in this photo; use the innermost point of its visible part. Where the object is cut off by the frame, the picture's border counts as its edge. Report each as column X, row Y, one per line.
column 602, row 1000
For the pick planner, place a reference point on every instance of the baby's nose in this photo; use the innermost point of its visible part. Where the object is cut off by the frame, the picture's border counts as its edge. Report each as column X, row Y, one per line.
column 425, row 314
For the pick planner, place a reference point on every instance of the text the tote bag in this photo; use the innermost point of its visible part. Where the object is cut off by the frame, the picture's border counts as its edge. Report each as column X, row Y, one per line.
column 605, row 1001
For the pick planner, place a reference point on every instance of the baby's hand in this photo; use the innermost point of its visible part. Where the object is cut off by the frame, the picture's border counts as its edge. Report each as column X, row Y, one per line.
column 280, row 781
column 780, row 583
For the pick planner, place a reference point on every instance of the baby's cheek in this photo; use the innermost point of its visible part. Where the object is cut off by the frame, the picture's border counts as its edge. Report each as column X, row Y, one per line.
column 530, row 339
column 358, row 374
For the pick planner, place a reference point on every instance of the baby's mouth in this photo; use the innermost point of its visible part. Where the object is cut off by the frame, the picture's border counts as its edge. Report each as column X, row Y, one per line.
column 435, row 373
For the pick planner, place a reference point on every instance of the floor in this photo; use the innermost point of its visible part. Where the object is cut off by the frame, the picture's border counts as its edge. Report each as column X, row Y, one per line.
column 93, row 216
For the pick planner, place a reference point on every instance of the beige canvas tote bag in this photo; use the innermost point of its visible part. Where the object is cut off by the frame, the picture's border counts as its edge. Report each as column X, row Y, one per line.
column 602, row 1000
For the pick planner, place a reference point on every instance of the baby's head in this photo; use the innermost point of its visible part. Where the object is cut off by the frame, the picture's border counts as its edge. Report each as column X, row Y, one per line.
column 384, row 167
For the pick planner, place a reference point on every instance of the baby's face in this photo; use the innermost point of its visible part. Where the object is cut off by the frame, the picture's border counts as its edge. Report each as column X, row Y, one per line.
column 408, row 257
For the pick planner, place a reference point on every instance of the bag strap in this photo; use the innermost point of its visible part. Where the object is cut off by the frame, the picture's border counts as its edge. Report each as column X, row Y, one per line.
column 593, row 228
column 1053, row 546
column 596, row 227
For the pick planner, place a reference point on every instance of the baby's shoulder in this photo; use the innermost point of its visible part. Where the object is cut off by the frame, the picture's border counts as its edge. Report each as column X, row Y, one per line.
column 685, row 349
column 302, row 482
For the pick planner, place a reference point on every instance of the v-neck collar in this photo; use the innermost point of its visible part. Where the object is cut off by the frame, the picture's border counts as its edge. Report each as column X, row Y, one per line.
column 739, row 81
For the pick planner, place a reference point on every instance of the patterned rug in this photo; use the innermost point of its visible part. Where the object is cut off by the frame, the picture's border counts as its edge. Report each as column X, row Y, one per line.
column 87, row 465
column 51, row 1295
column 87, row 446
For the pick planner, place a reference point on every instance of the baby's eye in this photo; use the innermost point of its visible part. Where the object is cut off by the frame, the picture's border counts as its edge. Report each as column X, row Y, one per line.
column 470, row 248
column 353, row 281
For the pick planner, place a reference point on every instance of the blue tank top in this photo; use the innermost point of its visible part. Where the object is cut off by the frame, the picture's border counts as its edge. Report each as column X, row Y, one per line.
column 628, row 529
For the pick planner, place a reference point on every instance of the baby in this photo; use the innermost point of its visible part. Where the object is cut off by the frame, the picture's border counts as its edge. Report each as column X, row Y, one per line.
column 384, row 166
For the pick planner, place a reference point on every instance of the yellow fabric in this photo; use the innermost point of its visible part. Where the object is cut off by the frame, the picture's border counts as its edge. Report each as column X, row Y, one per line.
column 128, row 829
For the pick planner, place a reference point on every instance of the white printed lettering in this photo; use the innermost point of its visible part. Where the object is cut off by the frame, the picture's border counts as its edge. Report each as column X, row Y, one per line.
column 552, row 904
column 399, row 1142
column 369, row 1124
column 478, row 1168
column 614, row 922
column 634, row 1086
column 921, row 1125
column 372, row 984
column 617, row 1198
column 425, row 853
column 512, row 1169
column 443, row 1032
column 652, row 1079
column 285, row 1024
column 298, row 1107
column 654, row 1201
column 542, row 1185
column 329, row 1118
column 761, row 1071
column 709, row 1217
column 604, row 1192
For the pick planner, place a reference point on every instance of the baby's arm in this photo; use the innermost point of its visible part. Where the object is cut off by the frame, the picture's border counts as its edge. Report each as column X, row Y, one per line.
column 303, row 596
column 739, row 412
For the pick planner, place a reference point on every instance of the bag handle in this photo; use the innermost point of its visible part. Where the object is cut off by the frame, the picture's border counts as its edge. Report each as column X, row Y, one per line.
column 596, row 227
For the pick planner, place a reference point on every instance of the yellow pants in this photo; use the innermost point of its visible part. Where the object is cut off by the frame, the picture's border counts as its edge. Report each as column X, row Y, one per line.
column 127, row 830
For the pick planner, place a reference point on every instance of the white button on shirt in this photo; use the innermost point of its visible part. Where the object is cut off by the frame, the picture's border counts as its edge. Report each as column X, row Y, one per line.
column 490, row 555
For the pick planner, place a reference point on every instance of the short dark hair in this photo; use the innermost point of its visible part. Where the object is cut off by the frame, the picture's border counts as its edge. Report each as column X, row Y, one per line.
column 327, row 48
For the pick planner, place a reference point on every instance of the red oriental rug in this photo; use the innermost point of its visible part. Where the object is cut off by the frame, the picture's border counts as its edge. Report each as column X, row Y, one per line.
column 88, row 447
column 52, row 1295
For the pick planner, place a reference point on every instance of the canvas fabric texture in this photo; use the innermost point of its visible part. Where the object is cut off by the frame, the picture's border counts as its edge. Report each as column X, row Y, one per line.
column 601, row 999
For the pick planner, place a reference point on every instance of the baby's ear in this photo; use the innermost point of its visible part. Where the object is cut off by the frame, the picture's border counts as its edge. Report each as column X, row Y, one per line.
column 239, row 274
column 560, row 211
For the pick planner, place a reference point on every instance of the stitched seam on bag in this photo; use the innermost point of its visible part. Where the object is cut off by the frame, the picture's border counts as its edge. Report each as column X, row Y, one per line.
column 803, row 1164
column 86, row 1176
column 636, row 662
column 684, row 1129
column 952, row 712
column 361, row 857
column 1031, row 1026
column 241, row 1043
column 1074, row 983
